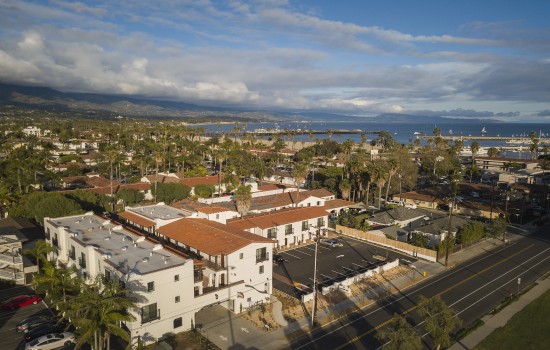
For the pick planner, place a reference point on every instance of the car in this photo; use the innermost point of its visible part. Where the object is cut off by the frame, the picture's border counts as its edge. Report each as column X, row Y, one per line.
column 278, row 258
column 33, row 322
column 331, row 242
column 474, row 194
column 44, row 329
column 51, row 341
column 20, row 301
column 410, row 206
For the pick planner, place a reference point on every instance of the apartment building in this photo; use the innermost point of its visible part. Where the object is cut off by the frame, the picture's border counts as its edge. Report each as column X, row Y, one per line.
column 287, row 227
column 161, row 279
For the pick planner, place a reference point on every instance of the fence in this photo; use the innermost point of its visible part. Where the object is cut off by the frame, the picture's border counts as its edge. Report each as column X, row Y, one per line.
column 412, row 250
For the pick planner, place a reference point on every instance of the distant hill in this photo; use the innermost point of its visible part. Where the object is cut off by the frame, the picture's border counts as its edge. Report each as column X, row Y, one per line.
column 86, row 103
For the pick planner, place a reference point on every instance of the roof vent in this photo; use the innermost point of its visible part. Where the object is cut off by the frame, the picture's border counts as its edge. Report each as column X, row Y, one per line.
column 150, row 253
column 107, row 238
column 145, row 259
column 140, row 239
column 135, row 244
column 125, row 247
column 157, row 247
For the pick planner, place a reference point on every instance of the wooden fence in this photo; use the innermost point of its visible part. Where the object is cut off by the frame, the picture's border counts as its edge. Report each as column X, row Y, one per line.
column 412, row 250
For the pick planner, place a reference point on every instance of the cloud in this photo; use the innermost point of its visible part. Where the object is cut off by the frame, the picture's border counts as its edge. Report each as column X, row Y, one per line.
column 545, row 113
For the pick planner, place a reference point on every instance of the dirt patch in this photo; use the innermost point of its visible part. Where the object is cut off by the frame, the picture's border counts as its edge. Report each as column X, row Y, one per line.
column 262, row 317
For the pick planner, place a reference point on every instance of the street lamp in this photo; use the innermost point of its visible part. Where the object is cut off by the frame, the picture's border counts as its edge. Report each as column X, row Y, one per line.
column 519, row 282
column 314, row 308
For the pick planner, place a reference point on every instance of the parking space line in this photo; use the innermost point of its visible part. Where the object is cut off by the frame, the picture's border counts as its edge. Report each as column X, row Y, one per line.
column 347, row 268
column 307, row 247
column 343, row 274
column 292, row 255
column 299, row 251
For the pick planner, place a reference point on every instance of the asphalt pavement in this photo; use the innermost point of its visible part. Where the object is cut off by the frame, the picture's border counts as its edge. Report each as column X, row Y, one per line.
column 229, row 331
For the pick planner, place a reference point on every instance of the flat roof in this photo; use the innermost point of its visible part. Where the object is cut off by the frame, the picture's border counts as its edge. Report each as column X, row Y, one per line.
column 124, row 250
column 159, row 211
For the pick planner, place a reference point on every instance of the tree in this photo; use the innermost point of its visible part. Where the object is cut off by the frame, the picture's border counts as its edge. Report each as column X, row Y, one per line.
column 299, row 173
column 474, row 147
column 345, row 188
column 40, row 252
column 497, row 228
column 130, row 196
column 439, row 319
column 98, row 311
column 493, row 152
column 400, row 335
column 38, row 205
column 170, row 192
column 204, row 191
column 243, row 199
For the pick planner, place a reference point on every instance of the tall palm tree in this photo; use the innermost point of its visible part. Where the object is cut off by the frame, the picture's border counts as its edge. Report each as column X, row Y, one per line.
column 98, row 310
column 243, row 199
column 299, row 173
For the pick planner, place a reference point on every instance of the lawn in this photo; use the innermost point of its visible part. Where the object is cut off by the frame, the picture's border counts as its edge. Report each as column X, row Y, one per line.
column 528, row 329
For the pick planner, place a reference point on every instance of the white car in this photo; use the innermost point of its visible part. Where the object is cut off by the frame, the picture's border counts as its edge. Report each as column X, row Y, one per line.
column 51, row 341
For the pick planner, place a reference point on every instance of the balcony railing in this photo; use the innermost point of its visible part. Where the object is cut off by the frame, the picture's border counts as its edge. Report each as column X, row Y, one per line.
column 262, row 258
column 10, row 259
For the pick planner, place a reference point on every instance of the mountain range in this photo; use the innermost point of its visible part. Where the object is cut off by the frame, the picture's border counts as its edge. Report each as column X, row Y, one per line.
column 104, row 105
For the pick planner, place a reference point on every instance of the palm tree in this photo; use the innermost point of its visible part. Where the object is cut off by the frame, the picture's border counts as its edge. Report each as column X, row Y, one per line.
column 300, row 173
column 98, row 310
column 345, row 188
column 474, row 147
column 40, row 252
column 243, row 199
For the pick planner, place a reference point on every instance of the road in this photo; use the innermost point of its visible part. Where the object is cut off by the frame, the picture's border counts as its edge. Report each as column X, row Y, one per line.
column 472, row 290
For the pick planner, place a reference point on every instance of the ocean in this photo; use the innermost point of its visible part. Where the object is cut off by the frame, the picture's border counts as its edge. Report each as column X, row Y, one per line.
column 405, row 132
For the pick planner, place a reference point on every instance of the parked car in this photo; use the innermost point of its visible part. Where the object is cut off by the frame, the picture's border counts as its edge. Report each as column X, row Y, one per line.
column 33, row 322
column 20, row 301
column 51, row 341
column 44, row 329
column 278, row 258
column 331, row 242
column 410, row 206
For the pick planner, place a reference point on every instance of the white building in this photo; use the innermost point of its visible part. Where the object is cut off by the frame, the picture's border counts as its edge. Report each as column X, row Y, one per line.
column 161, row 279
column 288, row 227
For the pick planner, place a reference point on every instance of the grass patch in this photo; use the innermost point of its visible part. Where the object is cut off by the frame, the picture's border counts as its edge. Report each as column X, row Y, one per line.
column 528, row 329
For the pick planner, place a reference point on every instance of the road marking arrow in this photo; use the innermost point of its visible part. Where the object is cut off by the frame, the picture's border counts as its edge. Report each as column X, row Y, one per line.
column 244, row 330
column 223, row 338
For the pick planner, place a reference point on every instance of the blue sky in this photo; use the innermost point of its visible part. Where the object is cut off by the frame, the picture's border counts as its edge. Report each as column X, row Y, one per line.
column 482, row 59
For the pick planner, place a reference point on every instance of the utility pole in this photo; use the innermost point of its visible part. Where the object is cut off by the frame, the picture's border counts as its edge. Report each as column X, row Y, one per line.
column 314, row 308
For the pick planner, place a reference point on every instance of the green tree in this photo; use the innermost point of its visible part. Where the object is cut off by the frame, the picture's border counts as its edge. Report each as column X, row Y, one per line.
column 130, row 196
column 299, row 172
column 497, row 228
column 38, row 205
column 493, row 152
column 439, row 319
column 471, row 232
column 474, row 147
column 204, row 191
column 40, row 252
column 243, row 199
column 400, row 335
column 170, row 192
column 98, row 311
column 345, row 188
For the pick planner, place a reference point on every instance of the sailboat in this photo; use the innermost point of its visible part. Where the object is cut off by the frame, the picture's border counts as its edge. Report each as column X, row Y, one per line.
column 483, row 131
column 450, row 131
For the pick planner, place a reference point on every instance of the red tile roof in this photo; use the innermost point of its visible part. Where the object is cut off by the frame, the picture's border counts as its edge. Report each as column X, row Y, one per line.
column 210, row 237
column 278, row 217
column 136, row 219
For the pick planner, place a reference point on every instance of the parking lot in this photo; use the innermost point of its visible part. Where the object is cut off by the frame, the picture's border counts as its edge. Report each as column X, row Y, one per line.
column 9, row 338
column 294, row 276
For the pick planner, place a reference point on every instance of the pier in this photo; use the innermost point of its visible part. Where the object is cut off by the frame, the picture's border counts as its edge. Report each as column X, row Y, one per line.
column 509, row 140
column 313, row 132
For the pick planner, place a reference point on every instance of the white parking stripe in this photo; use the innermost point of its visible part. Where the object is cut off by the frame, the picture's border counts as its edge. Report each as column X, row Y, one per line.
column 343, row 274
column 299, row 251
column 292, row 255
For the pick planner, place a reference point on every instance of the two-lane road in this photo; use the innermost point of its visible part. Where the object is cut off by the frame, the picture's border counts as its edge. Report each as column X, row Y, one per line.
column 472, row 290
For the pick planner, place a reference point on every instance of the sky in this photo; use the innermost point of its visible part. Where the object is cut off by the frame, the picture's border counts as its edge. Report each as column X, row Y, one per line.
column 465, row 59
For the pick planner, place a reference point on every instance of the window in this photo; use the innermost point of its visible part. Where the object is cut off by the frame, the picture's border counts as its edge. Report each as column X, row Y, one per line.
column 272, row 232
column 150, row 286
column 261, row 269
column 241, row 256
column 289, row 230
column 48, row 235
column 54, row 240
column 72, row 253
column 261, row 255
column 176, row 278
column 318, row 203
column 320, row 222
column 177, row 299
column 304, row 225
column 217, row 216
column 149, row 313
column 178, row 322
column 107, row 275
column 82, row 260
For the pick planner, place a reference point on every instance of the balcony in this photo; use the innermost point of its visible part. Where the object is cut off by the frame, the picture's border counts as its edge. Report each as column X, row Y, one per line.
column 150, row 318
column 10, row 259
column 262, row 258
column 82, row 263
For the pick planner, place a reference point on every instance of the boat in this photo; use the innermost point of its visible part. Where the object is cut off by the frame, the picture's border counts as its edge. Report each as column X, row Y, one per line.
column 483, row 131
column 417, row 133
column 450, row 131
